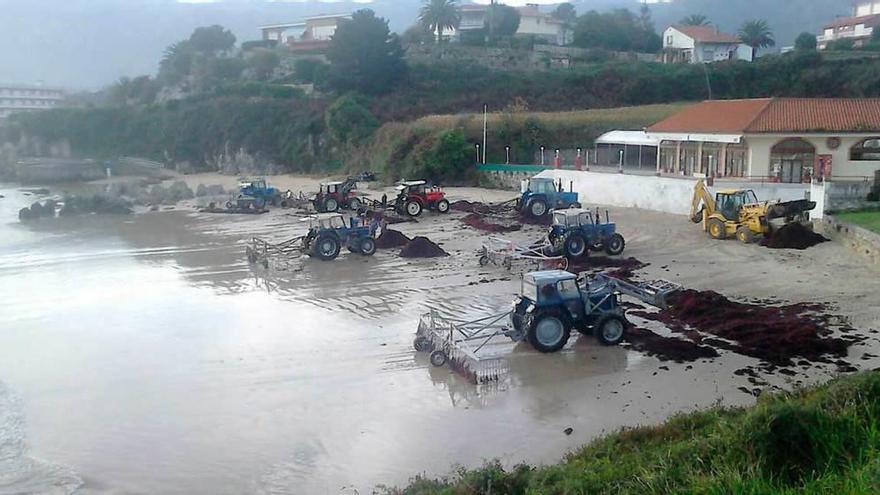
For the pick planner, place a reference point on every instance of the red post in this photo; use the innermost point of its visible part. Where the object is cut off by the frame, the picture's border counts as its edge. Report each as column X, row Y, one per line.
column 557, row 162
column 579, row 161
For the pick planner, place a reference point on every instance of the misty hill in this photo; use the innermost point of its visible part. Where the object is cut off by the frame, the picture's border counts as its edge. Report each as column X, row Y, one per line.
column 86, row 44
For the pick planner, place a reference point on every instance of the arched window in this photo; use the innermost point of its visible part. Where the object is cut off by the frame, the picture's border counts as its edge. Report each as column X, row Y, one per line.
column 869, row 149
column 791, row 160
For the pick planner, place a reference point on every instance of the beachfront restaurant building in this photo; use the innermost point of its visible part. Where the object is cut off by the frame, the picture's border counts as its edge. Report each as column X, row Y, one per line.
column 787, row 140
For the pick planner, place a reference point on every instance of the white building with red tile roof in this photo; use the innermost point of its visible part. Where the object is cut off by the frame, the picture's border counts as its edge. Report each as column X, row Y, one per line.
column 778, row 139
column 702, row 44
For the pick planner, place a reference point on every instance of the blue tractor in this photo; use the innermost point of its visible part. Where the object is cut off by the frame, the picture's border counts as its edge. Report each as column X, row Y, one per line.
column 540, row 195
column 255, row 194
column 330, row 232
column 553, row 303
column 575, row 232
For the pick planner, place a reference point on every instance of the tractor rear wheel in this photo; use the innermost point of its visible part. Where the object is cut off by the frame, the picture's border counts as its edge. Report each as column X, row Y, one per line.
column 615, row 245
column 610, row 329
column 537, row 208
column 327, row 247
column 413, row 208
column 715, row 228
column 368, row 246
column 547, row 333
column 330, row 205
column 575, row 246
column 745, row 234
column 443, row 206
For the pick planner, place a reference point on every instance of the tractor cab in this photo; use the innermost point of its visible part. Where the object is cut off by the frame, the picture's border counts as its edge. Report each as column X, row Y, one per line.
column 730, row 202
column 252, row 187
column 415, row 196
column 335, row 195
column 541, row 194
column 550, row 288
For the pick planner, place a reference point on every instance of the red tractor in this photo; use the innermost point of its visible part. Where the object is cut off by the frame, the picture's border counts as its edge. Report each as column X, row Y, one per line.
column 335, row 195
column 415, row 196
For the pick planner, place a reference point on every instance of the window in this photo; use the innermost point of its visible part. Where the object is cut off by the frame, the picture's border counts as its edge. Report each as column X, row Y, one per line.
column 568, row 289
column 669, row 40
column 867, row 150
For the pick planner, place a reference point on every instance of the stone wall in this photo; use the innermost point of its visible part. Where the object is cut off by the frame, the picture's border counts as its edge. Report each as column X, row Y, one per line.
column 860, row 240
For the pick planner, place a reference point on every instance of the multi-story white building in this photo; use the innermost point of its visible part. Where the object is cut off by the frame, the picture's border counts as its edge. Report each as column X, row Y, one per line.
column 23, row 98
column 702, row 44
column 532, row 22
column 859, row 28
column 312, row 32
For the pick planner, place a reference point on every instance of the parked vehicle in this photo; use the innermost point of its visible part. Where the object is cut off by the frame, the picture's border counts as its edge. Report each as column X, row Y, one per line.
column 256, row 194
column 575, row 232
column 330, row 232
column 413, row 197
column 332, row 196
column 327, row 234
column 541, row 195
column 550, row 305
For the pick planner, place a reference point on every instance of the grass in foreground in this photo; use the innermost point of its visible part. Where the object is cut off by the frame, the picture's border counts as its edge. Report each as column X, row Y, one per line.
column 869, row 219
column 814, row 441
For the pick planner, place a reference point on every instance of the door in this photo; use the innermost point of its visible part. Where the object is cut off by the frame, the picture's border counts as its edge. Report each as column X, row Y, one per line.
column 792, row 171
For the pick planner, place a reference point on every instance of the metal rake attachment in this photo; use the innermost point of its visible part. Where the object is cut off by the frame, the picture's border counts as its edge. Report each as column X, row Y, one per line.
column 465, row 345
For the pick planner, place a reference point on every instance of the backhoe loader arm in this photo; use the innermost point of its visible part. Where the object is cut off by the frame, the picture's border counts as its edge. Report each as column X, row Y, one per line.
column 701, row 196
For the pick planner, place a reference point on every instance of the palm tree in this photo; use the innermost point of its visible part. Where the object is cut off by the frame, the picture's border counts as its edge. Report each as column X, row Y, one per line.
column 757, row 34
column 439, row 15
column 695, row 20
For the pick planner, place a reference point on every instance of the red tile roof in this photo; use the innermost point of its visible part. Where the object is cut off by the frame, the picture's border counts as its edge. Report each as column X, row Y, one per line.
column 867, row 20
column 776, row 115
column 713, row 116
column 707, row 34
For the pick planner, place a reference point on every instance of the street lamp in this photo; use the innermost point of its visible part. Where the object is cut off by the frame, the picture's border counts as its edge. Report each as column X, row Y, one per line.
column 507, row 149
column 542, row 155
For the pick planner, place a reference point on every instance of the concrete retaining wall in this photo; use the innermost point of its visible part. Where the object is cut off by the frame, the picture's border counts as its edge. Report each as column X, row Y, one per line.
column 861, row 240
column 664, row 194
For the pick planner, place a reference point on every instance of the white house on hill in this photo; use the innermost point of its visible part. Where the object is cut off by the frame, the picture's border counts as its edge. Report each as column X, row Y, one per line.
column 533, row 22
column 702, row 44
column 859, row 28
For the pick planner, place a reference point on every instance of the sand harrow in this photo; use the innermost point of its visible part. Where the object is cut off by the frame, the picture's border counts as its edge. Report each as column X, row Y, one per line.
column 472, row 348
column 261, row 251
column 501, row 252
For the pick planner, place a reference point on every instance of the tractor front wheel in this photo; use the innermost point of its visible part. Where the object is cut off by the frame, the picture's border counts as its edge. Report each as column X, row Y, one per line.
column 548, row 333
column 438, row 358
column 715, row 228
column 327, row 247
column 354, row 204
column 575, row 246
column 443, row 206
column 610, row 329
column 368, row 246
column 413, row 208
column 615, row 245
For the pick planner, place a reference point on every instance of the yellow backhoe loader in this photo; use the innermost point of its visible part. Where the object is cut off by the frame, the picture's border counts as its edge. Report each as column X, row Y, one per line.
column 737, row 212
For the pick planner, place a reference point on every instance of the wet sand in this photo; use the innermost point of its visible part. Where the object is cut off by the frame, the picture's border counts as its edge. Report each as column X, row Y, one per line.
column 148, row 357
